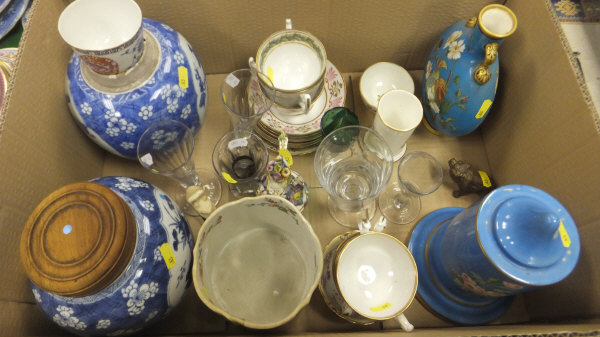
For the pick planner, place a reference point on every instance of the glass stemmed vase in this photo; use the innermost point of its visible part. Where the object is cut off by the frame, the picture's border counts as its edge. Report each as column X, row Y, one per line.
column 166, row 148
column 247, row 95
column 353, row 164
column 419, row 174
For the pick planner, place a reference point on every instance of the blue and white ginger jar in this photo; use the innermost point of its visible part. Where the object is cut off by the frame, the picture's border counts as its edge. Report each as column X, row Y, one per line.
column 114, row 110
column 150, row 286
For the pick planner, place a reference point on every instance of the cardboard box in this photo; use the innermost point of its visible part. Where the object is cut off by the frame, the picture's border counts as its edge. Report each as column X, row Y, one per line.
column 541, row 131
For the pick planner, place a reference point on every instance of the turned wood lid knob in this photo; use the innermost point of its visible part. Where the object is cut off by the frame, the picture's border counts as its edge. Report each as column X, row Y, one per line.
column 78, row 240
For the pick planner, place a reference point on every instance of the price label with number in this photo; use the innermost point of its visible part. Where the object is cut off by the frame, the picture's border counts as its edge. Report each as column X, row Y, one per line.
column 564, row 236
column 287, row 156
column 167, row 254
column 381, row 307
column 485, row 179
column 183, row 77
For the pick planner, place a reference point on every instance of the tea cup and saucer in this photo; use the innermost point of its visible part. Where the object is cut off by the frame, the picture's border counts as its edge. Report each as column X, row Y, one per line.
column 295, row 61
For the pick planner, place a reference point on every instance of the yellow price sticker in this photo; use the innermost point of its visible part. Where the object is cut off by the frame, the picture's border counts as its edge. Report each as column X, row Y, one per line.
column 287, row 156
column 381, row 307
column 485, row 179
column 270, row 73
column 183, row 77
column 228, row 178
column 564, row 236
column 484, row 108
column 167, row 254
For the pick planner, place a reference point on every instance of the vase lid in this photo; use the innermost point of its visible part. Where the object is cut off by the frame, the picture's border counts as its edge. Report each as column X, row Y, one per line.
column 528, row 235
column 78, row 240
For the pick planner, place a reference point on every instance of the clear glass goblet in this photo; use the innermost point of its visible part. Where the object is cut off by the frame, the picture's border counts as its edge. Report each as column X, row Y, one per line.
column 166, row 148
column 247, row 95
column 419, row 174
column 353, row 164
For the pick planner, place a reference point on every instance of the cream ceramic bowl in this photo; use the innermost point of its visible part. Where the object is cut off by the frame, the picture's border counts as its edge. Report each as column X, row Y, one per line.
column 380, row 78
column 295, row 61
column 257, row 261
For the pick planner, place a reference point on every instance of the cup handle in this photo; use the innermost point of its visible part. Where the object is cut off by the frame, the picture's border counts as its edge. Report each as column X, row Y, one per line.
column 305, row 103
column 288, row 23
column 404, row 323
column 252, row 65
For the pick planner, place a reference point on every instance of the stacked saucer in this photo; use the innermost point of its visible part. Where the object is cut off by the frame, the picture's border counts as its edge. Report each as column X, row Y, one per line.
column 303, row 129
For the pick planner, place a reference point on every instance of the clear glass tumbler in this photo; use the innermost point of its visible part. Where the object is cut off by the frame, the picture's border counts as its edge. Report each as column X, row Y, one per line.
column 353, row 164
column 419, row 174
column 247, row 101
column 166, row 148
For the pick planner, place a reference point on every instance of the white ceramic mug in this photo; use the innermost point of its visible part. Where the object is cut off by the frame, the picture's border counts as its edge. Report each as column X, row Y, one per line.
column 295, row 61
column 368, row 278
column 399, row 112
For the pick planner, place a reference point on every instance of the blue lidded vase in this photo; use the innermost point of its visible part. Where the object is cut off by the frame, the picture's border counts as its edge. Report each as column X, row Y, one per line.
column 461, row 73
column 107, row 257
column 474, row 260
column 146, row 73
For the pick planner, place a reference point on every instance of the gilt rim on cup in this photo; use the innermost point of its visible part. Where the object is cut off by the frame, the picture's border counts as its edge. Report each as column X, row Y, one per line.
column 311, row 36
column 338, row 256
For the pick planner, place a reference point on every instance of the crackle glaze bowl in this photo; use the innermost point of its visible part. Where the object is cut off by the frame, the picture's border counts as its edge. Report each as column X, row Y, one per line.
column 257, row 261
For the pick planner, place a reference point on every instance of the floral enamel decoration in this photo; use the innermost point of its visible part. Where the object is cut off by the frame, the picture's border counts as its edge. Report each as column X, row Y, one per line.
column 437, row 87
column 461, row 72
column 492, row 287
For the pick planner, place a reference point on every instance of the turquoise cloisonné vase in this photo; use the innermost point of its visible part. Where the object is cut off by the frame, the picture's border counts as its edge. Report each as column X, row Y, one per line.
column 461, row 74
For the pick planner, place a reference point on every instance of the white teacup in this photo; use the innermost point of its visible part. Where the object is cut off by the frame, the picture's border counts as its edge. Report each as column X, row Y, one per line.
column 295, row 61
column 399, row 112
column 105, row 51
column 369, row 277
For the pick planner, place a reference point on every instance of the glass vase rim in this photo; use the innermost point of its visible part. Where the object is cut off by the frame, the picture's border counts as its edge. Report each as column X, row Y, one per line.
column 252, row 135
column 430, row 158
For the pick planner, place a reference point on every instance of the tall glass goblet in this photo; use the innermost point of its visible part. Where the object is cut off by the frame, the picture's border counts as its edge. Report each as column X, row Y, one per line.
column 247, row 101
column 166, row 148
column 353, row 164
column 419, row 174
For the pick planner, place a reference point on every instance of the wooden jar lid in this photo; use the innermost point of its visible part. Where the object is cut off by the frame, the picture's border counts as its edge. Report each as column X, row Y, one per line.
column 78, row 240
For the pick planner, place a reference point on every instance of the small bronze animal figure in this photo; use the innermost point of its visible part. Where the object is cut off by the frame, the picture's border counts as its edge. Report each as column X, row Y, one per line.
column 469, row 180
